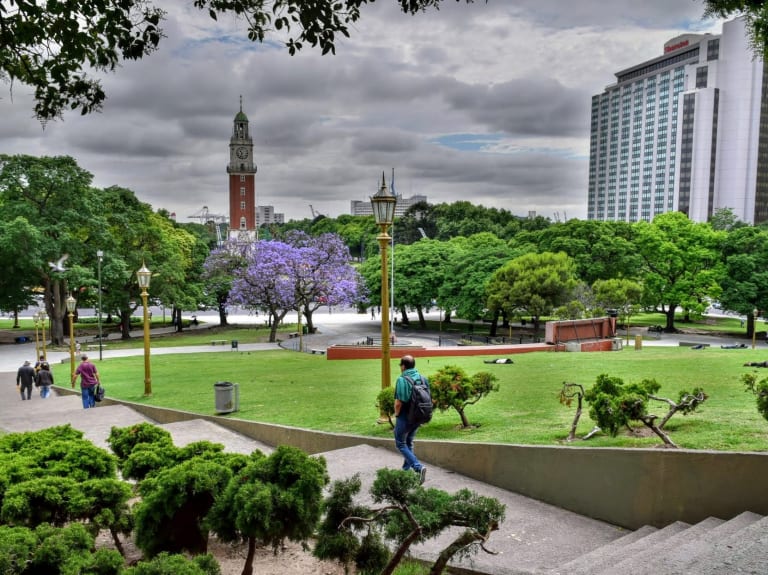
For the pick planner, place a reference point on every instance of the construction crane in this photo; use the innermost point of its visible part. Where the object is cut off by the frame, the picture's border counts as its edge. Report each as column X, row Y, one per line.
column 315, row 213
column 208, row 219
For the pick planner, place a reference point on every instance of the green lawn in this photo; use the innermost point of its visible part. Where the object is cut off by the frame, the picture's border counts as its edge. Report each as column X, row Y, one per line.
column 309, row 391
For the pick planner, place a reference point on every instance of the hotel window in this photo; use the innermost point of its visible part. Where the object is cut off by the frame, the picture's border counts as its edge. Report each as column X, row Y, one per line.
column 701, row 77
column 242, row 192
column 242, row 178
column 713, row 49
column 242, row 205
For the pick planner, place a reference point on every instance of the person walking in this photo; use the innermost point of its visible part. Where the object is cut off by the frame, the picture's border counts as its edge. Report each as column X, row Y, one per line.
column 44, row 379
column 405, row 431
column 89, row 379
column 24, row 379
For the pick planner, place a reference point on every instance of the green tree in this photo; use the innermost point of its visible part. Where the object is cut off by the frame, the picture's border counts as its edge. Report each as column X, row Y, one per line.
column 19, row 243
column 472, row 262
column 453, row 388
column 532, row 283
column 420, row 271
column 52, row 47
column 54, row 195
column 680, row 264
column 270, row 500
column 744, row 280
column 406, row 514
column 623, row 295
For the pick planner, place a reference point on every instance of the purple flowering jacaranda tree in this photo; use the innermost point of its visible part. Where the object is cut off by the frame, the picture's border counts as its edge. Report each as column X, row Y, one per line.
column 267, row 281
column 324, row 275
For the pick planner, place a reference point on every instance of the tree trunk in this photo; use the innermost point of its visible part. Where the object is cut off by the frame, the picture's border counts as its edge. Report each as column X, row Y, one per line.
column 397, row 556
column 422, row 321
column 536, row 322
column 463, row 416
column 248, row 567
column 125, row 323
column 117, row 542
column 574, row 425
column 176, row 315
column 494, row 323
column 648, row 422
column 670, row 313
column 223, row 314
column 464, row 540
column 308, row 316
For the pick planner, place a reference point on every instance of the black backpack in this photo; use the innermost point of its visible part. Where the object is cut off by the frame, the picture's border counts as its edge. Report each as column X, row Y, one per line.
column 420, row 405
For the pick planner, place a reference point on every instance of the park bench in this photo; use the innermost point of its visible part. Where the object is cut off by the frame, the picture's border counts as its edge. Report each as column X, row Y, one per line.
column 293, row 334
column 219, row 341
column 319, row 351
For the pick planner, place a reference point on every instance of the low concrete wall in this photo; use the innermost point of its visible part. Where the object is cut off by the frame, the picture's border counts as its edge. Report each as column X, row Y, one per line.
column 626, row 487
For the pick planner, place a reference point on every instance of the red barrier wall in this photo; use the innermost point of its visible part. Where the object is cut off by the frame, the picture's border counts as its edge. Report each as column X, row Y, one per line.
column 580, row 329
column 374, row 352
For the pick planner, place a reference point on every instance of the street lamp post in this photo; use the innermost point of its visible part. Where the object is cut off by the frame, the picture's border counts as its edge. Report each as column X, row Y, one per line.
column 36, row 318
column 754, row 326
column 144, row 276
column 71, row 304
column 383, row 204
column 43, row 319
column 100, row 256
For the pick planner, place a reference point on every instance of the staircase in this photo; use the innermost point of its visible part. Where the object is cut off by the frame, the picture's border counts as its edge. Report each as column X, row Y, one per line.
column 710, row 547
column 535, row 539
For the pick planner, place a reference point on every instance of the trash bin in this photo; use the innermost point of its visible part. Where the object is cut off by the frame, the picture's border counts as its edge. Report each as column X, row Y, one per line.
column 234, row 344
column 638, row 342
column 227, row 396
column 304, row 329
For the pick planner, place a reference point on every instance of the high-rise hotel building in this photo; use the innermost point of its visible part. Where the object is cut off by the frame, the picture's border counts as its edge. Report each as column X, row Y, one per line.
column 686, row 131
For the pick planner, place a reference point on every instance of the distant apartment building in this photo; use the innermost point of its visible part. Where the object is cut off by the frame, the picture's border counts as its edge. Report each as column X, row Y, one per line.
column 686, row 131
column 364, row 208
column 267, row 215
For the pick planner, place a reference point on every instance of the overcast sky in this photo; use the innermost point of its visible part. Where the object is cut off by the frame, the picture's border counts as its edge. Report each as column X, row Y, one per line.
column 483, row 102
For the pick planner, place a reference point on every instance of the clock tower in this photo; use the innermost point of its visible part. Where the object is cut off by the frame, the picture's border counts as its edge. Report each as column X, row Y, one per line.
column 242, row 185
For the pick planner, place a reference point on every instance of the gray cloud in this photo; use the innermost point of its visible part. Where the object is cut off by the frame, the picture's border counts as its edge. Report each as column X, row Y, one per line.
column 518, row 75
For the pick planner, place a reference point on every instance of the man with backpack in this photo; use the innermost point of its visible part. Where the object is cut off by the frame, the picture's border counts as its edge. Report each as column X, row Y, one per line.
column 413, row 407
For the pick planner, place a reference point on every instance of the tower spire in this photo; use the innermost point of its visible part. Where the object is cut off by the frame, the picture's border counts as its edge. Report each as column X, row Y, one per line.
column 241, row 102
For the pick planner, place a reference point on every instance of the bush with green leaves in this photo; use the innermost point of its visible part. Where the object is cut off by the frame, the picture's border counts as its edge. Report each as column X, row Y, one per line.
column 406, row 514
column 123, row 440
column 171, row 564
column 55, row 551
column 759, row 389
column 270, row 500
column 453, row 388
column 174, row 502
column 614, row 404
column 385, row 403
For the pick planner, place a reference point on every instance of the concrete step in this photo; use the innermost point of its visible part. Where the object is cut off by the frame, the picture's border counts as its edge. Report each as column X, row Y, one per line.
column 637, row 563
column 603, row 559
column 584, row 560
column 675, row 559
column 745, row 551
column 186, row 432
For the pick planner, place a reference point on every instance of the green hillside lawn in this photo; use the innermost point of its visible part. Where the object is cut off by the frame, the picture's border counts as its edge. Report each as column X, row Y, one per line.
column 309, row 391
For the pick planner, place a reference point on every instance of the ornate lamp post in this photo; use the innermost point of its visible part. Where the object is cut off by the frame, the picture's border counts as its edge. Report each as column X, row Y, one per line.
column 754, row 326
column 383, row 204
column 43, row 319
column 36, row 318
column 100, row 256
column 144, row 276
column 71, row 305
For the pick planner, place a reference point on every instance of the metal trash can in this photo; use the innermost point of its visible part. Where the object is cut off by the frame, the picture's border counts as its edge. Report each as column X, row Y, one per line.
column 304, row 329
column 234, row 344
column 227, row 395
column 638, row 342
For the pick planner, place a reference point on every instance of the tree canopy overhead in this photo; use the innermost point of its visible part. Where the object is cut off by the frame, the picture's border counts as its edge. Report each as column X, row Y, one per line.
column 51, row 46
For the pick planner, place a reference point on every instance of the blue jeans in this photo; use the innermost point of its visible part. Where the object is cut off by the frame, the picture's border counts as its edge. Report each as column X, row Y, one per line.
column 89, row 397
column 45, row 391
column 404, row 434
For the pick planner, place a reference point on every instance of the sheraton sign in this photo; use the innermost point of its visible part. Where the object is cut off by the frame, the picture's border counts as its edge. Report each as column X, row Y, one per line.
column 672, row 47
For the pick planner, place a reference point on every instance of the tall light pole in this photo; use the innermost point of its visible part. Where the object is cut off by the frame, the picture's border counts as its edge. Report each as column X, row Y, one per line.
column 100, row 256
column 754, row 326
column 144, row 276
column 36, row 317
column 71, row 305
column 43, row 319
column 383, row 204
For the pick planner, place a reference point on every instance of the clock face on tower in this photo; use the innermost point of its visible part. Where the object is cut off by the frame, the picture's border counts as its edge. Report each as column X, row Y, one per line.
column 242, row 153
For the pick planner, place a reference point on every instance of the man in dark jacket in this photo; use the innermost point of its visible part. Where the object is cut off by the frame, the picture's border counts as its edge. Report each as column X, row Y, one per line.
column 24, row 379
